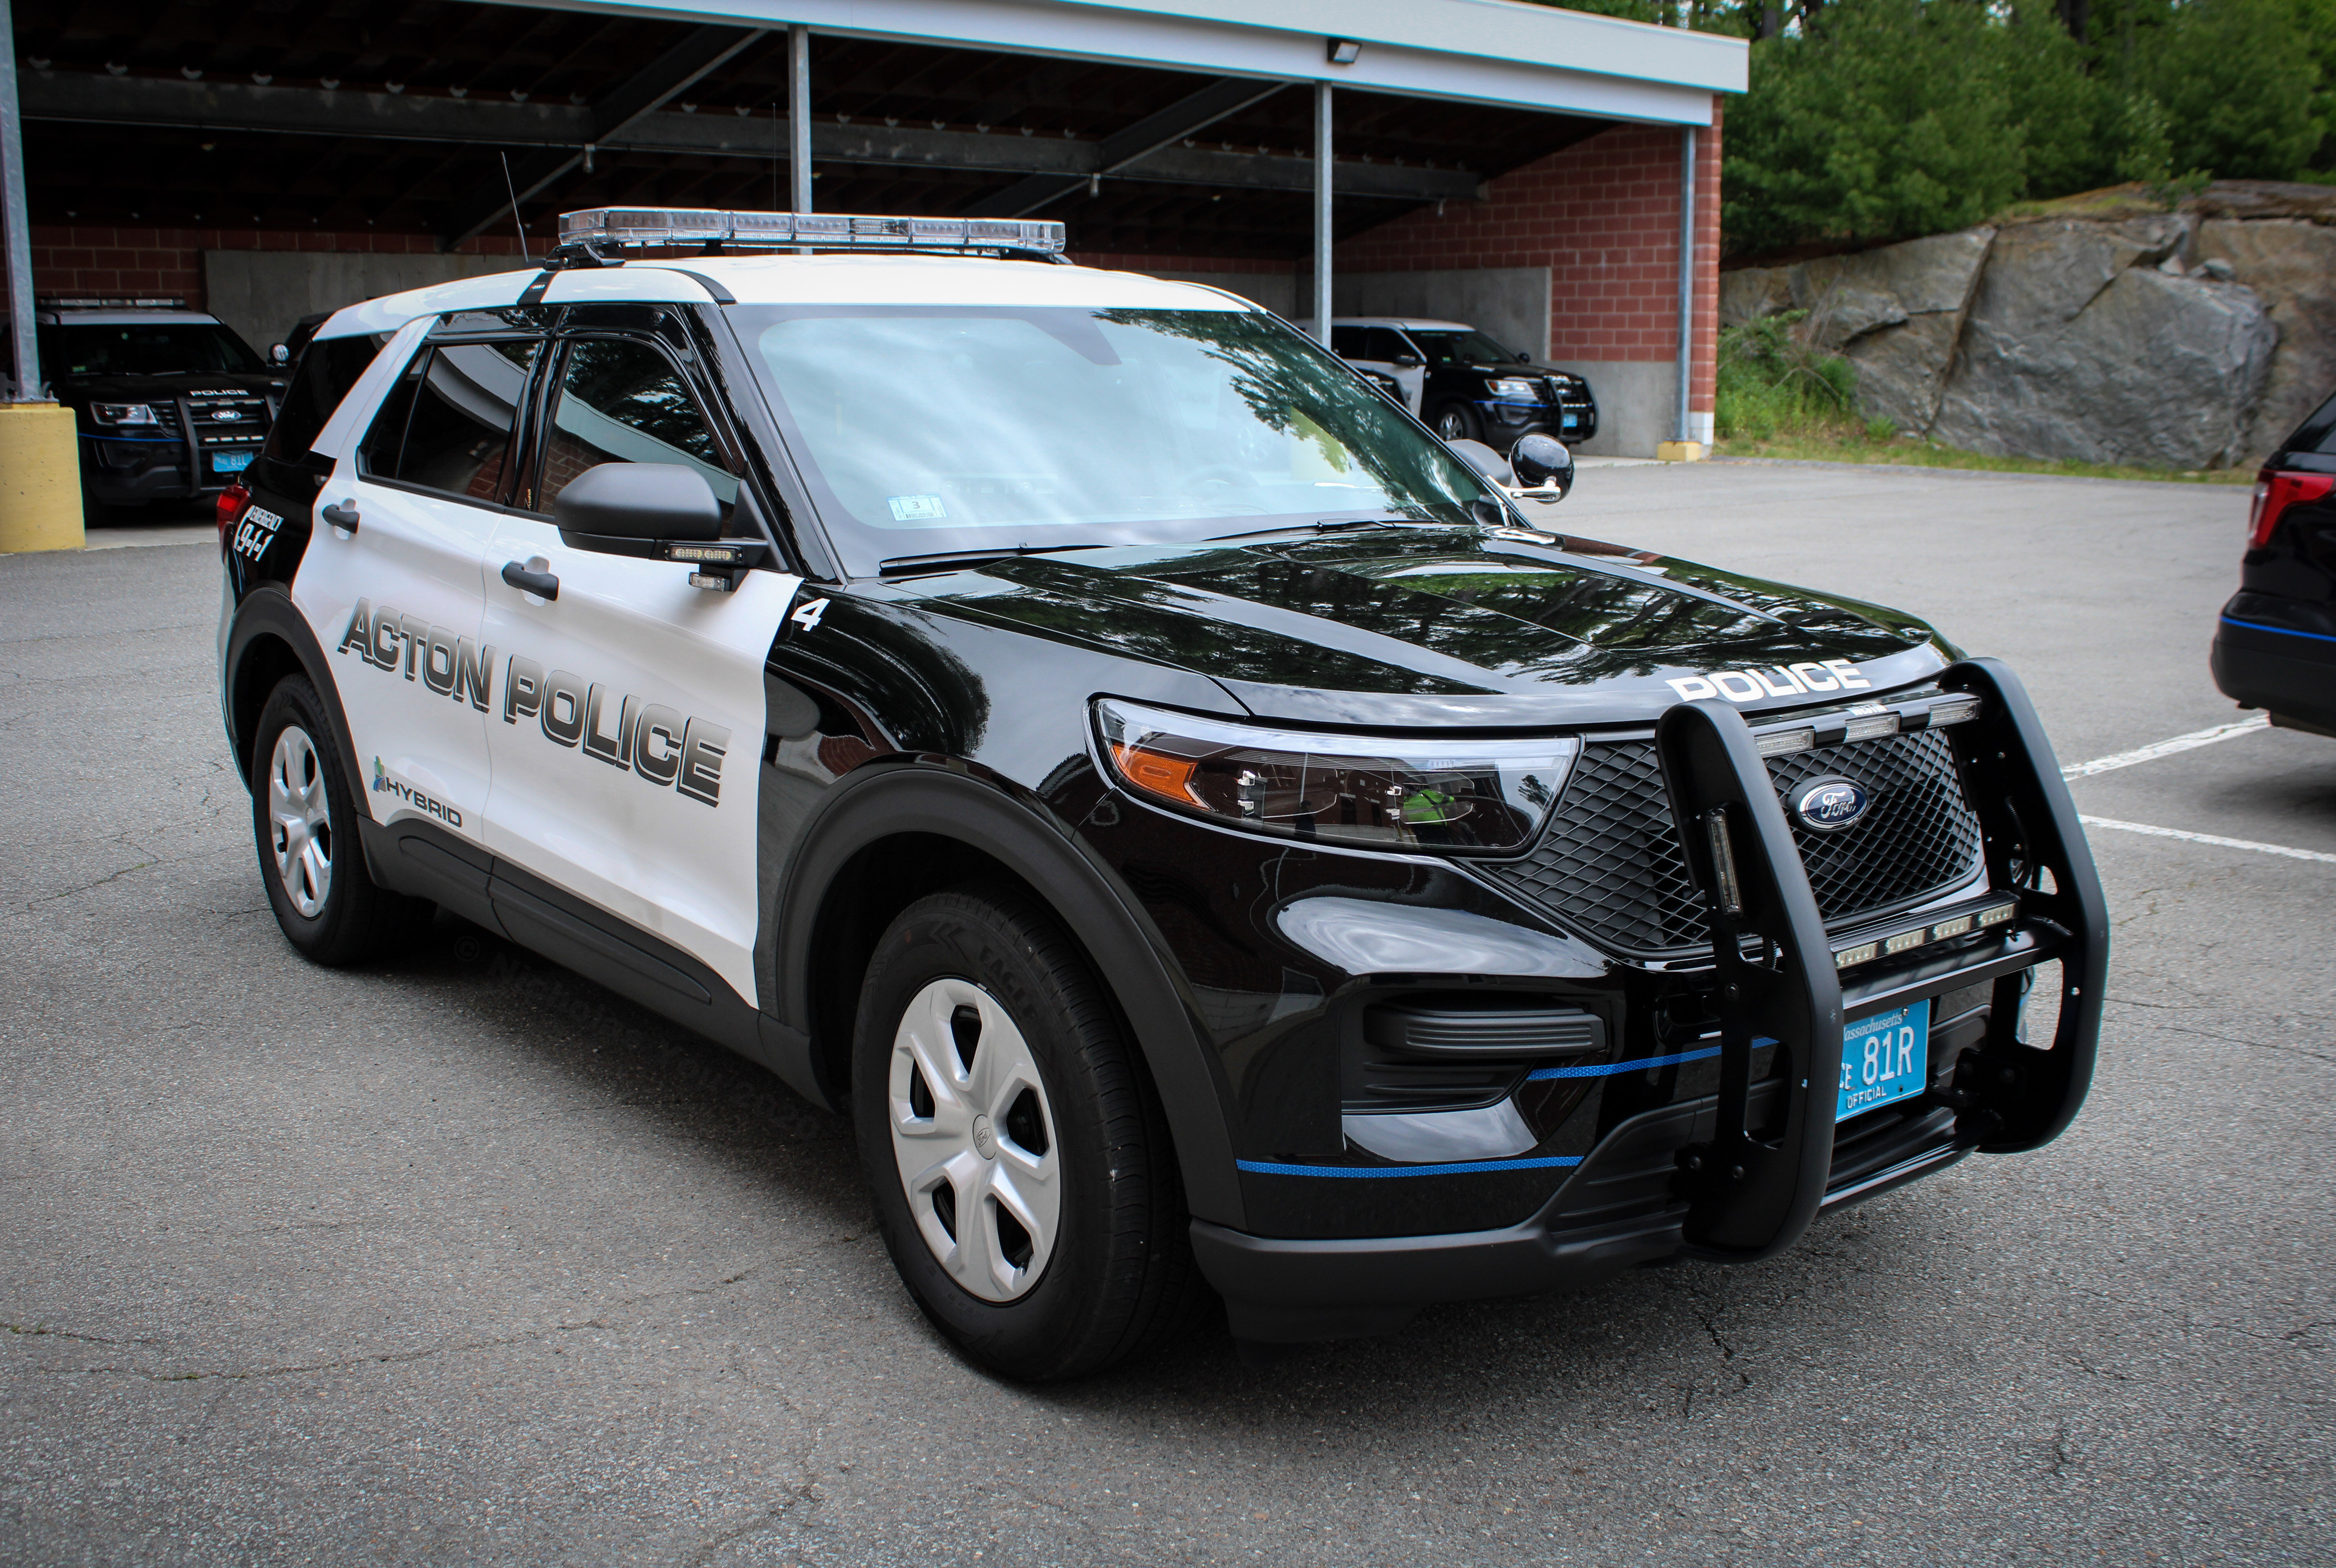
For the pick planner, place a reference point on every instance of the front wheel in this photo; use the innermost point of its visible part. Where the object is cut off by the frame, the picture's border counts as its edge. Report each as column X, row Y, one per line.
column 1455, row 421
column 1022, row 1174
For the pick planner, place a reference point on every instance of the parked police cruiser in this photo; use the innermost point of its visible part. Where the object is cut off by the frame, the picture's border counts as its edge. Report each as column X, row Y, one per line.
column 171, row 404
column 1199, row 829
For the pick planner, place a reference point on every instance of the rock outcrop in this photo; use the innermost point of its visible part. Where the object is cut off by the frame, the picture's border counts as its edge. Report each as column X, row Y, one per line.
column 2101, row 329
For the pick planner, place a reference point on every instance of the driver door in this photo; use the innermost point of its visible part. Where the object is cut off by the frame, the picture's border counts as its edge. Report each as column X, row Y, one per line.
column 628, row 735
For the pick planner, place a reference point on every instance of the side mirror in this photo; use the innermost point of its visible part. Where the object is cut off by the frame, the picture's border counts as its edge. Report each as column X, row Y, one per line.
column 634, row 508
column 1407, row 362
column 1523, row 357
column 1483, row 459
column 279, row 355
column 1541, row 465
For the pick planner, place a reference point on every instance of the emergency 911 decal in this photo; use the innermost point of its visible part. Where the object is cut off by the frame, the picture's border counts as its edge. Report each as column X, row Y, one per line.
column 657, row 745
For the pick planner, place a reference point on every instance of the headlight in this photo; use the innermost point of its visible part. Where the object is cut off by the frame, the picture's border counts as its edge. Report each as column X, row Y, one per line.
column 123, row 413
column 1511, row 386
column 1383, row 791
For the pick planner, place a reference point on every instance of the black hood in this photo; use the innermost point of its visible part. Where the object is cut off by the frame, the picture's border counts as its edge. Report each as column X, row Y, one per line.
column 1406, row 627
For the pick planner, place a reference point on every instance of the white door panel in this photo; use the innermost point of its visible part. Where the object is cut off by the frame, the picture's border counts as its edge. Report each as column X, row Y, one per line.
column 627, row 739
column 396, row 606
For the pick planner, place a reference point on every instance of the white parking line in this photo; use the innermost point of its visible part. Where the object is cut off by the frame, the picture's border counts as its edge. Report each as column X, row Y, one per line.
column 2214, row 839
column 2166, row 747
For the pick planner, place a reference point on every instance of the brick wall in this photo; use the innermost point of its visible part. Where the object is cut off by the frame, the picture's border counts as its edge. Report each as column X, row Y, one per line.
column 1603, row 217
column 85, row 259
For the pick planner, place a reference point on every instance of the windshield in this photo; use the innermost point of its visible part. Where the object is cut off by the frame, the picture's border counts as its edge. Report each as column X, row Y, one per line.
column 1464, row 347
column 145, row 348
column 928, row 429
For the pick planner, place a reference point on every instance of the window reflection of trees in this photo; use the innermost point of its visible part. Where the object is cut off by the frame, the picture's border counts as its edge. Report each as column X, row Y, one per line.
column 1308, row 395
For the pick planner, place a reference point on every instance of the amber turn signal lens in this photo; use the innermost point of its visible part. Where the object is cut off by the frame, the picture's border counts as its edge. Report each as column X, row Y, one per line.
column 1169, row 777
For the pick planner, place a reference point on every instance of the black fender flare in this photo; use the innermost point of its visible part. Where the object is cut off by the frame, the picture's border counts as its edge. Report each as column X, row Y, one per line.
column 881, row 801
column 268, row 610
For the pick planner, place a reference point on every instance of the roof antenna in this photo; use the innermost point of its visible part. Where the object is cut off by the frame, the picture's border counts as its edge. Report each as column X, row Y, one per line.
column 517, row 221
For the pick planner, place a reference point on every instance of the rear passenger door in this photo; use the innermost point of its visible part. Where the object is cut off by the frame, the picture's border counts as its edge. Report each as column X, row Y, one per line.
column 628, row 738
column 397, row 596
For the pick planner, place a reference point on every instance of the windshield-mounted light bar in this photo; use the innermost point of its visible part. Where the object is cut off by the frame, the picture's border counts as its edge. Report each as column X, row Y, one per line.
column 603, row 227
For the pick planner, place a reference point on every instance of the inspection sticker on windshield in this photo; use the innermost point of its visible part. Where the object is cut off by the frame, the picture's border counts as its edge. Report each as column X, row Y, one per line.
column 1883, row 1058
column 915, row 508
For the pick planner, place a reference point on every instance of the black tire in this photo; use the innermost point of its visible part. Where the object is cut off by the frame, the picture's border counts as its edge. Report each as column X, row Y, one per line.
column 1119, row 1277
column 348, row 918
column 1457, row 421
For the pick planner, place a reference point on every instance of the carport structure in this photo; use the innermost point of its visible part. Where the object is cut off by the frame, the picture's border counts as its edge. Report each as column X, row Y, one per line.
column 1550, row 175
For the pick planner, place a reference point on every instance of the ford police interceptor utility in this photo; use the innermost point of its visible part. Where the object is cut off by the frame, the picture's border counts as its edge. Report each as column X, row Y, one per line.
column 1206, row 836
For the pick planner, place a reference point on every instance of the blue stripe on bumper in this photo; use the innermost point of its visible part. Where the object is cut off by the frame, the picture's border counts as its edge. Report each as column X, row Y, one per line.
column 1466, row 1168
column 1608, row 1069
column 2283, row 631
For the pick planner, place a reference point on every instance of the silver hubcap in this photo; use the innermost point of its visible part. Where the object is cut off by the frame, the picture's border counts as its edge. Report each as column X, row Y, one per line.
column 974, row 1138
column 300, row 825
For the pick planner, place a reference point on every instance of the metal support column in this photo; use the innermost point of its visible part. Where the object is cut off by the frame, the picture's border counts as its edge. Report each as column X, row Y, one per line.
column 1685, row 280
column 1322, row 211
column 799, row 115
column 15, row 225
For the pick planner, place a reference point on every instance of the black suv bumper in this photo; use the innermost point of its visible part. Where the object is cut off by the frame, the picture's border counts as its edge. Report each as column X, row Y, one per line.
column 2278, row 655
column 1739, row 1174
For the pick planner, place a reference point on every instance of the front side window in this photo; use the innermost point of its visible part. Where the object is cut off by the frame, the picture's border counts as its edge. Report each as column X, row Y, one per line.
column 446, row 426
column 621, row 401
column 930, row 429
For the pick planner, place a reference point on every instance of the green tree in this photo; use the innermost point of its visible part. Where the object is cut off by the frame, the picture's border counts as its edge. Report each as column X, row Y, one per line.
column 2238, row 83
column 1889, row 119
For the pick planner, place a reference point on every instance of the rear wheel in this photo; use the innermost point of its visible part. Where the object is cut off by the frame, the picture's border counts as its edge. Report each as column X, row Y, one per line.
column 305, row 819
column 1022, row 1174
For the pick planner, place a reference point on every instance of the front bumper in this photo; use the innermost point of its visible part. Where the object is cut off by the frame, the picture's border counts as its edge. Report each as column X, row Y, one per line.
column 1734, row 1162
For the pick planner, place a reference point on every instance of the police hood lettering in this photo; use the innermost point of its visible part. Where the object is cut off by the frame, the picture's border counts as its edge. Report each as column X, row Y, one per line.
column 657, row 745
column 1779, row 680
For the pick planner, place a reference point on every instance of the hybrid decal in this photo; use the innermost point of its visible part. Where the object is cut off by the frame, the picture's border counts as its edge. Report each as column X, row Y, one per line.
column 383, row 783
column 453, row 666
column 1778, row 680
column 256, row 532
column 657, row 744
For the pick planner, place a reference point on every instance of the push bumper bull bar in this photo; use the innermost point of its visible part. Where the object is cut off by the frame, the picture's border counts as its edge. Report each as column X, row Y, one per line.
column 1740, row 1175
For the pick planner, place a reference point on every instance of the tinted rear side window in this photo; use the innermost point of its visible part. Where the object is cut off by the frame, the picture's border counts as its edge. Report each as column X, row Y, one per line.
column 326, row 373
column 447, row 424
column 2317, row 433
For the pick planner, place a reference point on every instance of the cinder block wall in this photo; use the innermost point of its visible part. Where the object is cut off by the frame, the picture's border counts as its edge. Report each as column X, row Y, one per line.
column 1603, row 217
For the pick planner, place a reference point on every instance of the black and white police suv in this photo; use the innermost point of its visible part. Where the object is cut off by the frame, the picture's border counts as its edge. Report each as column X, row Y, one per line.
column 1202, row 830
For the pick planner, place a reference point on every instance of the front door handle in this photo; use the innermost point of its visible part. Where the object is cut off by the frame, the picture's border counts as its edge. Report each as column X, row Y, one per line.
column 542, row 584
column 343, row 516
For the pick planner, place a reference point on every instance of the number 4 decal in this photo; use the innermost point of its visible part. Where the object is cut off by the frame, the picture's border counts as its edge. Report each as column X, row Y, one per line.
column 808, row 616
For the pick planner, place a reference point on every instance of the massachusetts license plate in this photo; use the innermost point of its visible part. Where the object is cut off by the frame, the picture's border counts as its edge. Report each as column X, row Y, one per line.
column 230, row 462
column 1883, row 1058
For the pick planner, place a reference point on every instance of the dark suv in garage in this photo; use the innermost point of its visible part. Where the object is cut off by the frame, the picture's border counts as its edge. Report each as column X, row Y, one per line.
column 171, row 404
column 2276, row 645
column 1464, row 383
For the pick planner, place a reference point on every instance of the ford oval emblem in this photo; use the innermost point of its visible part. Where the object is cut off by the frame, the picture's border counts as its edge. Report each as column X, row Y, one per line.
column 1830, row 804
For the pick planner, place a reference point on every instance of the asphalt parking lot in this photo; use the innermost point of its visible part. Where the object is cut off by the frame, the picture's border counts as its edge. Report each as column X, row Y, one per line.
column 460, row 1258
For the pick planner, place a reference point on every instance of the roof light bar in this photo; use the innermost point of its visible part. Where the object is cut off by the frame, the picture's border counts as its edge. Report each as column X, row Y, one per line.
column 672, row 226
column 63, row 302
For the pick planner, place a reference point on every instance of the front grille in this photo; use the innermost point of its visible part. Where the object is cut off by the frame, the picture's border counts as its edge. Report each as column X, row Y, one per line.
column 1572, row 399
column 1610, row 866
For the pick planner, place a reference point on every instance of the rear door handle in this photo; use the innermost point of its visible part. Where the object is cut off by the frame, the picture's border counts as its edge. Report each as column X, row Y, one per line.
column 542, row 584
column 342, row 517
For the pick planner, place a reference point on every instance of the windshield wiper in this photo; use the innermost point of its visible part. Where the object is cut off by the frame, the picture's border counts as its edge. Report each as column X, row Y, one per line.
column 962, row 559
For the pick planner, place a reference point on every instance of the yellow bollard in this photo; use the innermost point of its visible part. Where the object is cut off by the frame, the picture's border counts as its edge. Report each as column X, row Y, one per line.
column 40, row 478
column 1680, row 450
